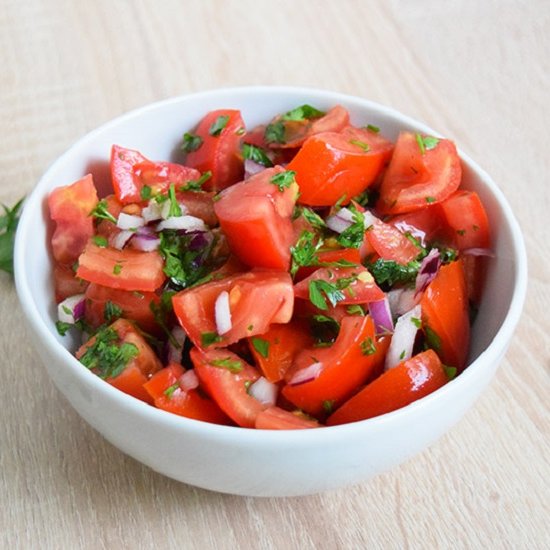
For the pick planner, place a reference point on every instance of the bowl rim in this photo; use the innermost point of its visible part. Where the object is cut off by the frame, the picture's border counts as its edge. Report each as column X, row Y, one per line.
column 141, row 409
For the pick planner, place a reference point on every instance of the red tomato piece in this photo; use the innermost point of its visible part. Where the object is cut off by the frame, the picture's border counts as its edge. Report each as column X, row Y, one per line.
column 70, row 208
column 274, row 351
column 275, row 418
column 226, row 377
column 66, row 283
column 256, row 300
column 169, row 396
column 133, row 305
column 356, row 284
column 255, row 216
column 220, row 151
column 390, row 244
column 419, row 175
column 428, row 220
column 124, row 269
column 346, row 365
column 467, row 219
column 410, row 380
column 199, row 204
column 330, row 165
column 445, row 315
column 131, row 171
column 139, row 368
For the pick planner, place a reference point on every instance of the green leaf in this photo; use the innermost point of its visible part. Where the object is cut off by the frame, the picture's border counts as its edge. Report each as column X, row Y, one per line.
column 261, row 346
column 319, row 290
column 360, row 144
column 353, row 236
column 175, row 208
column 372, row 128
column 275, row 132
column 451, row 372
column 389, row 273
column 313, row 218
column 368, row 347
column 111, row 311
column 303, row 112
column 283, row 180
column 101, row 212
column 231, row 365
column 355, row 309
column 432, row 338
column 256, row 154
column 209, row 338
column 62, row 327
column 100, row 241
column 218, row 125
column 191, row 142
column 145, row 192
column 170, row 390
column 426, row 143
column 304, row 252
column 196, row 185
column 117, row 269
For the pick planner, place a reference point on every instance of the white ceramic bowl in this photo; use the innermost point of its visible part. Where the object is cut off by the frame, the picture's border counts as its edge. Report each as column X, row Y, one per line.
column 236, row 460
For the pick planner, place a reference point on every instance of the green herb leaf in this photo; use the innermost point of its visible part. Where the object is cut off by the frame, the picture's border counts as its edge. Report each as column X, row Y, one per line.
column 218, row 125
column 368, row 347
column 275, row 132
column 261, row 346
column 353, row 236
column 319, row 290
column 209, row 338
column 8, row 227
column 256, row 154
column 175, row 208
column 303, row 112
column 62, row 327
column 304, row 252
column 231, row 365
column 100, row 241
column 361, row 144
column 426, row 143
column 416, row 322
column 145, row 192
column 313, row 218
column 432, row 338
column 117, row 269
column 196, row 185
column 389, row 273
column 101, row 212
column 111, row 311
column 451, row 372
column 191, row 142
column 355, row 309
column 372, row 128
column 430, row 200
column 283, row 180
column 170, row 390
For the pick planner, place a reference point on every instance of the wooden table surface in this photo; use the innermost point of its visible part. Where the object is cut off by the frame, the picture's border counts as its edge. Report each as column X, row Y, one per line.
column 479, row 72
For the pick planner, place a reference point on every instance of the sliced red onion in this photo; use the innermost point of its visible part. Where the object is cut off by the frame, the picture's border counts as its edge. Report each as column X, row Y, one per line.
column 264, row 391
column 404, row 334
column 222, row 313
column 189, row 380
column 428, row 270
column 120, row 239
column 152, row 212
column 306, row 374
column 381, row 315
column 478, row 252
column 405, row 227
column 71, row 309
column 128, row 221
column 340, row 221
column 165, row 209
column 177, row 336
column 401, row 300
column 251, row 168
column 187, row 223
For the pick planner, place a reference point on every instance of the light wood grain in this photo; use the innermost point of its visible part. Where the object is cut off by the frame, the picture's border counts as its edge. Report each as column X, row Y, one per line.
column 479, row 72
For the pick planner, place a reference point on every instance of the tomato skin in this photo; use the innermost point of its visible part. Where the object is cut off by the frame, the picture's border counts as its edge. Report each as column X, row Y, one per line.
column 131, row 171
column 362, row 290
column 256, row 299
column 219, row 154
column 467, row 219
column 228, row 389
column 142, row 271
column 413, row 179
column 139, row 369
column 429, row 220
column 445, row 311
column 406, row 382
column 256, row 219
column 134, row 305
column 329, row 165
column 188, row 403
column 284, row 343
column 275, row 418
column 199, row 204
column 66, row 283
column 390, row 244
column 70, row 208
column 345, row 367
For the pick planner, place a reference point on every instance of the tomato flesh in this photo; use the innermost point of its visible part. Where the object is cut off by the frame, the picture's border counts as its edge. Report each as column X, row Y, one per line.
column 275, row 418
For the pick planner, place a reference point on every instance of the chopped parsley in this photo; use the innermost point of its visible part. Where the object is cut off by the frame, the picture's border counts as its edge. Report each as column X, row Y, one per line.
column 275, row 132
column 111, row 311
column 355, row 309
column 191, row 142
column 353, row 236
column 304, row 252
column 196, row 185
column 101, row 212
column 100, row 241
column 175, row 208
column 303, row 112
column 218, row 125
column 232, row 365
column 372, row 128
column 447, row 255
column 107, row 355
column 170, row 390
column 283, row 180
column 256, row 154
column 433, row 340
column 320, row 291
column 430, row 200
column 368, row 347
column 451, row 372
column 426, row 143
column 361, row 144
column 146, row 192
column 117, row 269
column 310, row 216
column 209, row 338
column 261, row 346
column 416, row 322
column 62, row 327
column 389, row 273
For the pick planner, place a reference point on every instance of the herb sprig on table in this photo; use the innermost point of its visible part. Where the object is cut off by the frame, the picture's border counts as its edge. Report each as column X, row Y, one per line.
column 8, row 226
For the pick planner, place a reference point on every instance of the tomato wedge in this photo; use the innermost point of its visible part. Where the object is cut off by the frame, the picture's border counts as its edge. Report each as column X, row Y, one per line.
column 256, row 300
column 219, row 151
column 406, row 382
column 275, row 418
column 124, row 269
column 168, row 395
column 423, row 170
column 348, row 285
column 445, row 315
column 131, row 171
column 344, row 366
column 255, row 216
column 70, row 208
column 66, row 283
column 334, row 166
column 226, row 377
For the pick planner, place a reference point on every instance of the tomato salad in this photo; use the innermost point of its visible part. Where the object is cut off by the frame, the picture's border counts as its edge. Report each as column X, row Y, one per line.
column 303, row 273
